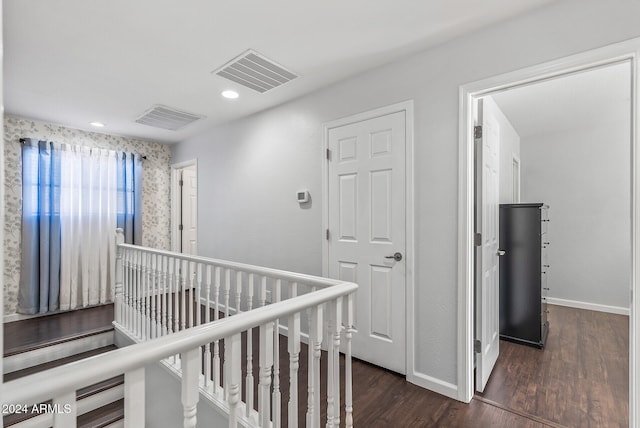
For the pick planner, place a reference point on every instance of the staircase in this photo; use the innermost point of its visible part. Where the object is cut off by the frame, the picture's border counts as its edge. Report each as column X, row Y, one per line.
column 38, row 344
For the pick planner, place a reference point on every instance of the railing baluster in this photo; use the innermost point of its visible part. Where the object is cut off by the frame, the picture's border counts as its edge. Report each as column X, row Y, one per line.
column 348, row 391
column 165, row 291
column 170, row 294
column 294, row 355
column 192, row 296
column 263, row 291
column 198, row 293
column 216, row 343
column 276, row 359
column 315, row 352
column 153, row 290
column 127, row 289
column 207, row 319
column 138, row 291
column 65, row 419
column 233, row 343
column 227, row 292
column 337, row 324
column 238, row 291
column 190, row 363
column 176, row 294
column 227, row 314
column 249, row 377
column 266, row 361
column 119, row 291
column 183, row 301
column 134, row 398
column 147, row 294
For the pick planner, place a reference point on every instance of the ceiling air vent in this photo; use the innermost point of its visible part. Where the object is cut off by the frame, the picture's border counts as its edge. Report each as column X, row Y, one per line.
column 255, row 71
column 164, row 117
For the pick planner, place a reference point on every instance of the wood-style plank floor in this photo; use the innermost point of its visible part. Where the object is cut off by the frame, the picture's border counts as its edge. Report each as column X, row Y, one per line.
column 580, row 378
column 39, row 331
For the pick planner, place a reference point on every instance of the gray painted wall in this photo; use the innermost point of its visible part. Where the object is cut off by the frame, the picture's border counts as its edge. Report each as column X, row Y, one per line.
column 583, row 175
column 249, row 170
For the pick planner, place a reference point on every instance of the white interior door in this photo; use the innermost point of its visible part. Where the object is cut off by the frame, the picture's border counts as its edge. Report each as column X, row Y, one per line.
column 367, row 228
column 487, row 297
column 189, row 210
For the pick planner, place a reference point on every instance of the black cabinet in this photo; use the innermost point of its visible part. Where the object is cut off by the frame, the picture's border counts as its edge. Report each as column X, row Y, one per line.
column 523, row 273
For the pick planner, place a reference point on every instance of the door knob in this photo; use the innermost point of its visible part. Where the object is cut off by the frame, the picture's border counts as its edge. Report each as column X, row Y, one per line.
column 397, row 257
column 501, row 252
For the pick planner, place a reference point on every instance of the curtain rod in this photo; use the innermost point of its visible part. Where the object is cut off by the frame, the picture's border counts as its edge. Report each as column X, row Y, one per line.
column 24, row 140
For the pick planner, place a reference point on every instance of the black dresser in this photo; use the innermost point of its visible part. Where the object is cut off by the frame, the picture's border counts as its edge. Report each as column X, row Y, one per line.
column 523, row 273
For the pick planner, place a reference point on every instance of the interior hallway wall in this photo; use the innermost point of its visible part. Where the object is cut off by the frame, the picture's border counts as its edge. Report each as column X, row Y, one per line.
column 584, row 176
column 255, row 165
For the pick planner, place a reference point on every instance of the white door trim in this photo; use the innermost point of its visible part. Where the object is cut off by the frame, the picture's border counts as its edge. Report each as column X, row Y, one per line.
column 624, row 51
column 407, row 107
column 175, row 243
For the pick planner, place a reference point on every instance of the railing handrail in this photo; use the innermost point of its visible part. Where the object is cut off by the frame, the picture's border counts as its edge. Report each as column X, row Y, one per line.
column 270, row 272
column 95, row 369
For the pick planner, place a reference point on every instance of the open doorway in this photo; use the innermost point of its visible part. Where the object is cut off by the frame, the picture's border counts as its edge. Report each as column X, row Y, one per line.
column 566, row 249
column 184, row 207
column 494, row 87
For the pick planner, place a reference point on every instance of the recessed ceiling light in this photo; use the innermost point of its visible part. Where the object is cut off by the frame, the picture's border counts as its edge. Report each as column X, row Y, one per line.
column 232, row 95
column 97, row 124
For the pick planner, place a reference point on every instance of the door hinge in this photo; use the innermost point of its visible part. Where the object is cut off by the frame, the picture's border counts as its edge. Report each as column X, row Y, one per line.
column 180, row 226
column 327, row 234
column 477, row 346
column 477, row 131
column 181, row 183
column 328, row 154
column 477, row 239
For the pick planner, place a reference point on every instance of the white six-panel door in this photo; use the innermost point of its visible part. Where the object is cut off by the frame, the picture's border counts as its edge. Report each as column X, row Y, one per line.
column 366, row 197
column 488, row 225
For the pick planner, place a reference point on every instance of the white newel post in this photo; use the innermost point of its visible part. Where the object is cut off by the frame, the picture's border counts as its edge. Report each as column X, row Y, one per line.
column 134, row 398
column 190, row 363
column 119, row 275
column 337, row 325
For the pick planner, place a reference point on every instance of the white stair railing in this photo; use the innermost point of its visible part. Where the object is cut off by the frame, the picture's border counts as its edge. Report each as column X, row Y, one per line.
column 183, row 310
column 161, row 293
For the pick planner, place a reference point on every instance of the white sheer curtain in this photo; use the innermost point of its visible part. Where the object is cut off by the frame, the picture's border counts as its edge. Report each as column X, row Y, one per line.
column 88, row 221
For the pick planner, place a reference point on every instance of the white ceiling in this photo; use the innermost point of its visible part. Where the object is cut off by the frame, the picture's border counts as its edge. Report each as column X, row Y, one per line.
column 72, row 62
column 578, row 100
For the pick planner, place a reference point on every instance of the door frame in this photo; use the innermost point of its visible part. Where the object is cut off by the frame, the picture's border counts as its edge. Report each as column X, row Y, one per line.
column 624, row 51
column 407, row 108
column 175, row 207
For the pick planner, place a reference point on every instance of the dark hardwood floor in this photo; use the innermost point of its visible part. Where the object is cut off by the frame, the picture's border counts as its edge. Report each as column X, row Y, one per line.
column 60, row 327
column 580, row 378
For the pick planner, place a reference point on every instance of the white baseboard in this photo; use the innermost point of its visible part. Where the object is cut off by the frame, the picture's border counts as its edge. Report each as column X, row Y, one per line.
column 436, row 385
column 590, row 306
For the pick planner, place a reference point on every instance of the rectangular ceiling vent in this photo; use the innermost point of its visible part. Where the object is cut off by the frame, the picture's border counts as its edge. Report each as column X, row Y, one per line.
column 255, row 71
column 164, row 117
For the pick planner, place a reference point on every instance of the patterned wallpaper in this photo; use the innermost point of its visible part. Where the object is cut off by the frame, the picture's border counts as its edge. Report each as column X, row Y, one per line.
column 156, row 185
